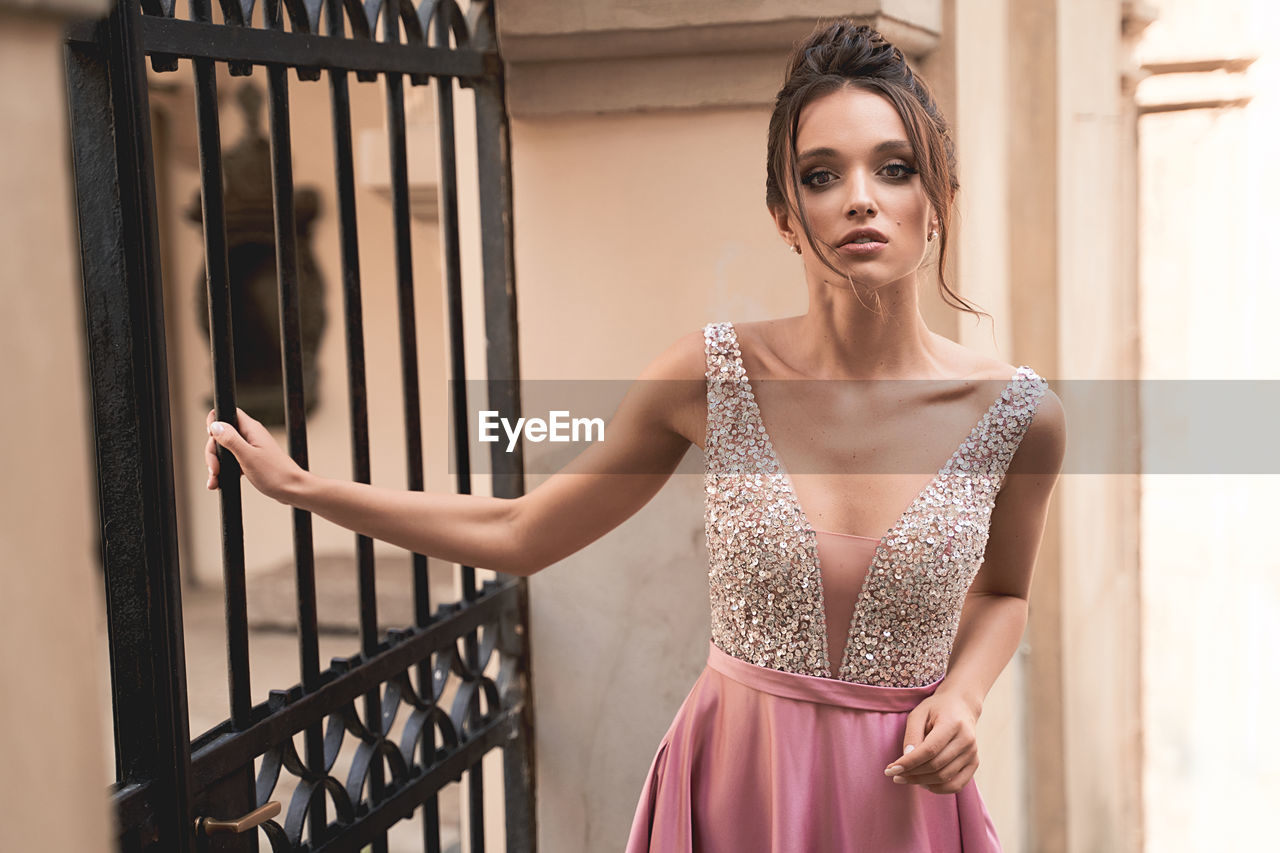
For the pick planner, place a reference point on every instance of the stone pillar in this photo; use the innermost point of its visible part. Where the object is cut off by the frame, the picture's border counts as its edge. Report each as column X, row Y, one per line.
column 1095, row 334
column 52, row 717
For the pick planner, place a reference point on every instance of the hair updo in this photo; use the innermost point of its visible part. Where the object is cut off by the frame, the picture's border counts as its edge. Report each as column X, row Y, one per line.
column 840, row 54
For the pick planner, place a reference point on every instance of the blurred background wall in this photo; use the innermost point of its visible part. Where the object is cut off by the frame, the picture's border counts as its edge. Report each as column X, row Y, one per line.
column 1209, row 291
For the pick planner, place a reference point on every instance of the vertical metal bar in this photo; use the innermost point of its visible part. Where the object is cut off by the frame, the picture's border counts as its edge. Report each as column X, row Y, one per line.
column 452, row 256
column 124, row 324
column 217, row 280
column 399, row 162
column 295, row 404
column 349, row 249
column 349, row 254
column 447, row 192
column 236, row 793
column 497, row 242
column 404, row 282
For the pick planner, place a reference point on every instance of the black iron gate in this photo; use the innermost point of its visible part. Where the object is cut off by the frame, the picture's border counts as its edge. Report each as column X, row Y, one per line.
column 174, row 793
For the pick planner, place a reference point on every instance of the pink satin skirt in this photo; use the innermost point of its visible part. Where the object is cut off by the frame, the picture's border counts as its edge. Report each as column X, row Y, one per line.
column 759, row 760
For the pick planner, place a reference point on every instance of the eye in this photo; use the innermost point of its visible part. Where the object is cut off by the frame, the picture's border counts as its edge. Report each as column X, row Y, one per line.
column 817, row 178
column 904, row 173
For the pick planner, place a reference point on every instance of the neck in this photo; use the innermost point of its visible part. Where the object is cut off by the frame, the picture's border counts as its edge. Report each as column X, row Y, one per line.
column 848, row 334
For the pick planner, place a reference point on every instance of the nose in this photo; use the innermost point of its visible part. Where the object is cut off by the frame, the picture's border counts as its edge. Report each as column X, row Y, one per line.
column 860, row 201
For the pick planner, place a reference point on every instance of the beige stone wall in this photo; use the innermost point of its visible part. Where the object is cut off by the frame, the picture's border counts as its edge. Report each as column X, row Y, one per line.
column 51, row 716
column 620, row 629
column 1095, row 329
column 974, row 68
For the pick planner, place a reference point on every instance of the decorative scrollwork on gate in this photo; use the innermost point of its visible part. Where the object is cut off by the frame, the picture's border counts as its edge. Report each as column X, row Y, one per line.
column 304, row 17
column 415, row 757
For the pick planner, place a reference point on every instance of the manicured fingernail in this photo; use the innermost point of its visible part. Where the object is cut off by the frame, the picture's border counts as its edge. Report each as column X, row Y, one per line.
column 215, row 428
column 898, row 780
column 893, row 770
column 908, row 749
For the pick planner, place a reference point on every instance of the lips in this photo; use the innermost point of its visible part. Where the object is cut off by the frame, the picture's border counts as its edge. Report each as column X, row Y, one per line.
column 864, row 233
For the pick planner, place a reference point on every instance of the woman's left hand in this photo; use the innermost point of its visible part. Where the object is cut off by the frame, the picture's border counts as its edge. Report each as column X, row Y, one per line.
column 940, row 747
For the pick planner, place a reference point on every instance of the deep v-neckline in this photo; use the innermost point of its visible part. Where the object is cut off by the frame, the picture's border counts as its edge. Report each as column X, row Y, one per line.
column 811, row 532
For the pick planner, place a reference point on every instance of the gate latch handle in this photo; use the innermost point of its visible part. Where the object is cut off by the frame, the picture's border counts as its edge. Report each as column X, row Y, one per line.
column 260, row 815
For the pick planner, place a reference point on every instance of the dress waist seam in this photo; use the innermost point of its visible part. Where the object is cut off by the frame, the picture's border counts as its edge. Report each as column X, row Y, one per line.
column 812, row 688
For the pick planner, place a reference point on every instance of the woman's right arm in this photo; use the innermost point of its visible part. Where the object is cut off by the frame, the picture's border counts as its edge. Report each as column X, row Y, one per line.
column 603, row 486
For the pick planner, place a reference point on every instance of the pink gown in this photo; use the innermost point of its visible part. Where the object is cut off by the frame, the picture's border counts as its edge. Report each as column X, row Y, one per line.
column 770, row 751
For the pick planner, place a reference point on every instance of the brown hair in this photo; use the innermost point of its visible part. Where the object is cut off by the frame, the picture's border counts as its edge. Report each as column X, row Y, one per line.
column 841, row 53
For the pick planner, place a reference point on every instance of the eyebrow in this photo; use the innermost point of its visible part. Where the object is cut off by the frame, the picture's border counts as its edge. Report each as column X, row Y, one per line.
column 889, row 145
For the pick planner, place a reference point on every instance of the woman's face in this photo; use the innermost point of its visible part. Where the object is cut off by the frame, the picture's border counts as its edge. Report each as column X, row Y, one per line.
column 856, row 170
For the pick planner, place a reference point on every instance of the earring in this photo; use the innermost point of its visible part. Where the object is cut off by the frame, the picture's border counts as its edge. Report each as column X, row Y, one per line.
column 932, row 235
column 795, row 247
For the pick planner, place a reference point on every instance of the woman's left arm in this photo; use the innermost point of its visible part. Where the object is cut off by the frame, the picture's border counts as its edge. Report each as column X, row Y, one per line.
column 940, row 749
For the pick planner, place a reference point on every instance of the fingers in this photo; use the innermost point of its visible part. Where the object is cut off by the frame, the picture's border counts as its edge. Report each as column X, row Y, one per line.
column 253, row 431
column 954, row 776
column 236, row 440
column 244, row 423
column 914, row 735
column 224, row 435
column 917, row 747
column 944, row 760
column 932, row 772
column 921, row 757
column 211, row 453
column 211, row 461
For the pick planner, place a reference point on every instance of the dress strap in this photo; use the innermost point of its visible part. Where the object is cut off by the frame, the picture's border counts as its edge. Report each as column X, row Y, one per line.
column 1017, row 408
column 725, row 387
column 724, row 359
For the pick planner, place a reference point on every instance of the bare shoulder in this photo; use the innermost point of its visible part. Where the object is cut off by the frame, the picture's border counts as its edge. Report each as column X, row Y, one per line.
column 1043, row 445
column 761, row 336
column 968, row 363
column 677, row 378
column 684, row 359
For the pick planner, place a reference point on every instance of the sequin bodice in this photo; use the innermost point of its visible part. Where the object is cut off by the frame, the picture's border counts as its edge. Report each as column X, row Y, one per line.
column 765, row 583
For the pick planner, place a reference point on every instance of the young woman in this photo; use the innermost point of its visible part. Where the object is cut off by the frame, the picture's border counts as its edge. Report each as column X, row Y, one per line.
column 846, row 671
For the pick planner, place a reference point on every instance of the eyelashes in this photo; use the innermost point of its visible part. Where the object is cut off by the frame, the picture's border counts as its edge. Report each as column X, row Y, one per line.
column 810, row 179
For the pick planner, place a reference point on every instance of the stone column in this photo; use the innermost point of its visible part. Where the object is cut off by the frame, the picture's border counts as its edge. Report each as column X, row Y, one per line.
column 52, row 717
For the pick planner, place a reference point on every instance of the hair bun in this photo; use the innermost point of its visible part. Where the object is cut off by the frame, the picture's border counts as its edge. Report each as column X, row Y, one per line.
column 836, row 47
